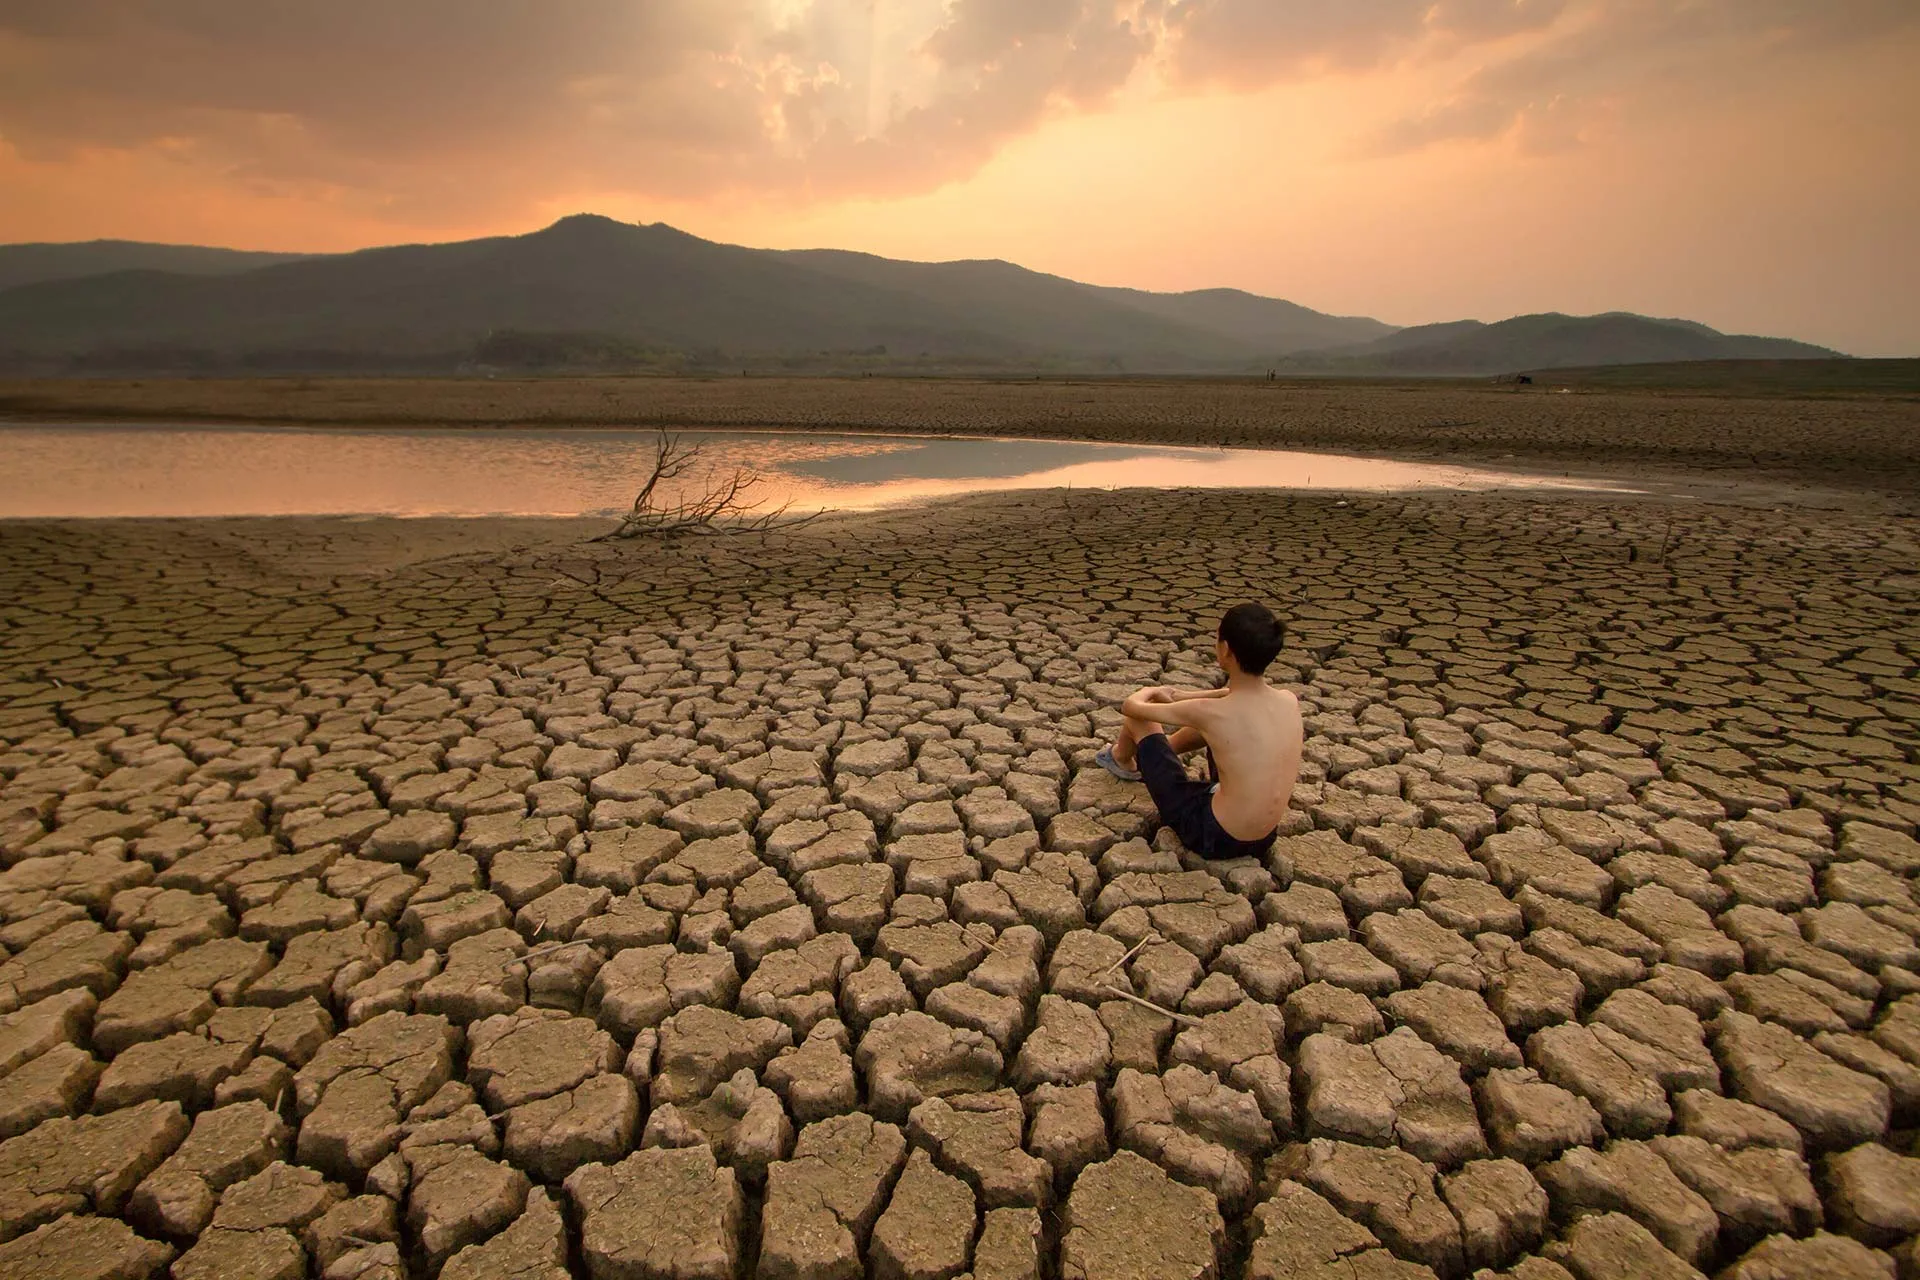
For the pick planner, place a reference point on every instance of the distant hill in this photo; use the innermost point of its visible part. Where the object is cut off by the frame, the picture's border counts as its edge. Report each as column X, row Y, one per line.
column 1046, row 311
column 589, row 293
column 1260, row 324
column 32, row 263
column 1039, row 313
column 1552, row 341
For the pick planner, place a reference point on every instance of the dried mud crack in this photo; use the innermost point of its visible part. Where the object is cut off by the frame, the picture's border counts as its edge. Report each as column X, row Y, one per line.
column 755, row 908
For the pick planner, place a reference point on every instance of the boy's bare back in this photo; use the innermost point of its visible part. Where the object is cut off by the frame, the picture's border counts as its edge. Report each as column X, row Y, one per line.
column 1255, row 736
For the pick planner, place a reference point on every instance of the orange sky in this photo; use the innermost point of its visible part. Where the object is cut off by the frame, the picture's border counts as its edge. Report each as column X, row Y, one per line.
column 1747, row 163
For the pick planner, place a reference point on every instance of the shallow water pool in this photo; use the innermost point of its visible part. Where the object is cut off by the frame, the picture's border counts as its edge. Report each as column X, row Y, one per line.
column 139, row 470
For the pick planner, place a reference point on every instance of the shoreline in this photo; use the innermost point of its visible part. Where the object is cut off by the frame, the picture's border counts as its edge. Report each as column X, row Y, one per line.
column 1869, row 443
column 318, row 546
column 1554, row 478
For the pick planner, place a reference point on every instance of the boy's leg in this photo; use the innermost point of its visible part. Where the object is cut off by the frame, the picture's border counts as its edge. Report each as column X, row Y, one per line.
column 1184, row 805
column 1132, row 732
column 1184, row 739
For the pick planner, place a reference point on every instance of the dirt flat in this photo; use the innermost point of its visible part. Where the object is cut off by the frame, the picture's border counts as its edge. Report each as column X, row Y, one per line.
column 400, row 897
column 1863, row 440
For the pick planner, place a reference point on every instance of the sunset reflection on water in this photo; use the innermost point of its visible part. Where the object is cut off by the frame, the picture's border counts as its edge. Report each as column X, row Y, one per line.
column 99, row 471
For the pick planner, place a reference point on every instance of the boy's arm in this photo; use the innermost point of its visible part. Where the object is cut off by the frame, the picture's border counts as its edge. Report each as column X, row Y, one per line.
column 1160, row 695
column 1153, row 704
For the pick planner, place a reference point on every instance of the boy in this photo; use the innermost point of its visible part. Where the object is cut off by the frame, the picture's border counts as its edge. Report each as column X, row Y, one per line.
column 1252, row 734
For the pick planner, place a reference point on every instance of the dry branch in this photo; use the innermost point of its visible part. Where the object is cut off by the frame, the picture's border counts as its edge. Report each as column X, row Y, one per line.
column 722, row 503
column 1179, row 1019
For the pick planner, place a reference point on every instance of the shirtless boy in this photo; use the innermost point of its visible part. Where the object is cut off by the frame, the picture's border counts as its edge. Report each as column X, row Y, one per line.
column 1250, row 729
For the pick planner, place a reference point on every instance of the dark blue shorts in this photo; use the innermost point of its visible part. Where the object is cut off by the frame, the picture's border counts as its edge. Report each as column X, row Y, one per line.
column 1187, row 806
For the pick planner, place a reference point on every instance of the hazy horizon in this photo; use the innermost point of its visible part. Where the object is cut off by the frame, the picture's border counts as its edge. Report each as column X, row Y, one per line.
column 1738, row 162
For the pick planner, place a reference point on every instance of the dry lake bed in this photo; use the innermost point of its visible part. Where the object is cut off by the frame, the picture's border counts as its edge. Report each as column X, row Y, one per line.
column 408, row 898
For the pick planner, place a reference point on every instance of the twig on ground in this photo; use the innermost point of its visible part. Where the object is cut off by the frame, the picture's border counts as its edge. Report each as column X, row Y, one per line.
column 1180, row 1019
column 1152, row 935
column 540, row 952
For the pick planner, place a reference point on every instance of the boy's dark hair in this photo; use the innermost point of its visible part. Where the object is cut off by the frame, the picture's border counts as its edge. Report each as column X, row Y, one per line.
column 1253, row 635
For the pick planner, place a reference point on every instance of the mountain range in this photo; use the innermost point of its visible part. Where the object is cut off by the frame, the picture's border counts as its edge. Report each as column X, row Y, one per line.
column 589, row 294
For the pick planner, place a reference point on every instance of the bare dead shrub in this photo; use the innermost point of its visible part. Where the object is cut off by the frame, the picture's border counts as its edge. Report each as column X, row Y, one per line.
column 722, row 503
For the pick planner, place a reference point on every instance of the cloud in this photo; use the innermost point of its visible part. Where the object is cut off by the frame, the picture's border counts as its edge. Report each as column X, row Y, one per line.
column 1253, row 43
column 1550, row 94
column 669, row 97
column 422, row 110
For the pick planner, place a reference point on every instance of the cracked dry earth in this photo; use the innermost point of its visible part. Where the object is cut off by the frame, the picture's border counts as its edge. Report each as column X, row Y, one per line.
column 755, row 909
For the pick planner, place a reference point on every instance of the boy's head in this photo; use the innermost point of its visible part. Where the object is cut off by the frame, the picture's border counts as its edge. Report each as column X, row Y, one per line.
column 1251, row 636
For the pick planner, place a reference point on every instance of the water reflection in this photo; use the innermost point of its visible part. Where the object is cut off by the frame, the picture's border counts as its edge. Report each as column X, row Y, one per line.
column 963, row 460
column 221, row 471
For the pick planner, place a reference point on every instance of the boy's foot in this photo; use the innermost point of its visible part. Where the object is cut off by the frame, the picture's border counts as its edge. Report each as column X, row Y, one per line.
column 1106, row 761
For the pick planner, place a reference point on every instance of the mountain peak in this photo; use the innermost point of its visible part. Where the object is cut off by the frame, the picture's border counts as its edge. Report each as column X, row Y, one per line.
column 578, row 222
